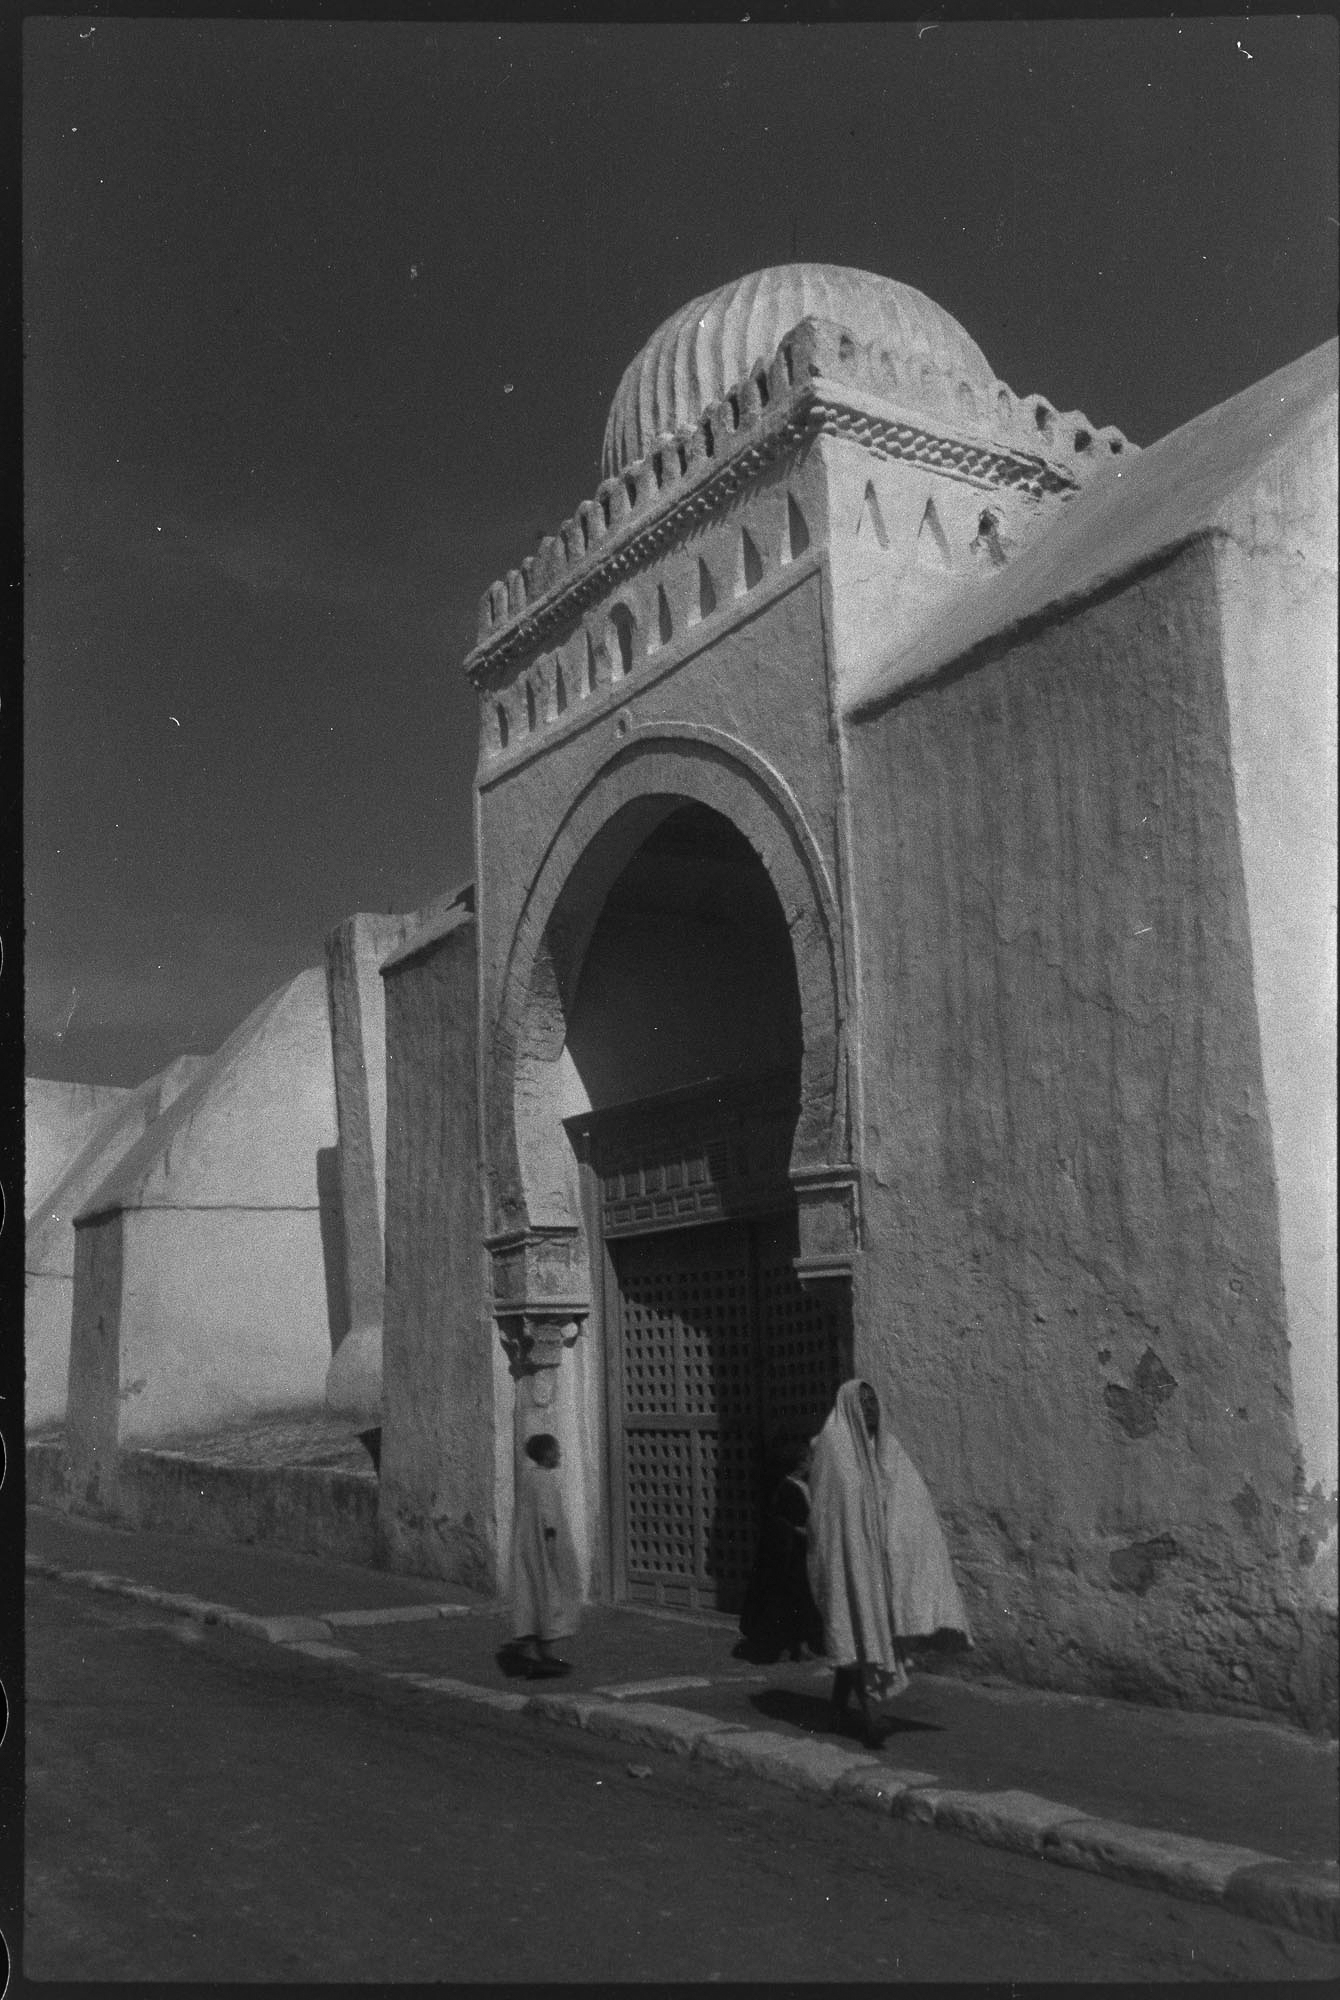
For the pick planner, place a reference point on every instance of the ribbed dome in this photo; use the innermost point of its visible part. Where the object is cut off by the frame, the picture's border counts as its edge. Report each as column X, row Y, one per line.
column 696, row 355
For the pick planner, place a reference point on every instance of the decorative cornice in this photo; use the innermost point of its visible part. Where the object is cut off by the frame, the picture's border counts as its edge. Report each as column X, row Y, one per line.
column 527, row 634
column 819, row 383
column 985, row 465
column 814, row 412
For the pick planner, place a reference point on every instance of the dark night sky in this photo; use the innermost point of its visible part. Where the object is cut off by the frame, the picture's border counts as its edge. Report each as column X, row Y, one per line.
column 322, row 321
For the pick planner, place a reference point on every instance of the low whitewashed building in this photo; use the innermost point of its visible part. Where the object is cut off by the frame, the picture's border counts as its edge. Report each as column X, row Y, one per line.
column 63, row 1175
column 208, row 1264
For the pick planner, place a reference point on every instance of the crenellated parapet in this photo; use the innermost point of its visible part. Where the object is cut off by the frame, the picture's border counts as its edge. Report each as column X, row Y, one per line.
column 539, row 653
column 638, row 511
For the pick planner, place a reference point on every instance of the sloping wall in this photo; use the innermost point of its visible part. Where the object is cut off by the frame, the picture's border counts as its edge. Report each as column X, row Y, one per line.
column 49, row 1239
column 59, row 1120
column 221, row 1306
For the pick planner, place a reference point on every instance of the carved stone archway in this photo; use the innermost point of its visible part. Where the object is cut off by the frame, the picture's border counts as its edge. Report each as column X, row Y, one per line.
column 540, row 1282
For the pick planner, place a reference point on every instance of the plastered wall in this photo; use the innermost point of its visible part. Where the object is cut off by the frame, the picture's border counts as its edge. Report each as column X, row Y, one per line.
column 49, row 1239
column 1277, row 588
column 1072, row 1291
column 439, row 1472
column 354, row 951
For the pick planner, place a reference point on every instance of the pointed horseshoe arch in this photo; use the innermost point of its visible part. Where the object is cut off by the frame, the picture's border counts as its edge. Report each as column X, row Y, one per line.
column 650, row 775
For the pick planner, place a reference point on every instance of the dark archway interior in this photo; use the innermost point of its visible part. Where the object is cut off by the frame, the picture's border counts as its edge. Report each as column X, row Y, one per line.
column 689, row 974
column 717, row 1360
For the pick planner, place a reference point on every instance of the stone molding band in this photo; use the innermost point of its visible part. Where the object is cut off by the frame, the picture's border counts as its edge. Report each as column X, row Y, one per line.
column 814, row 412
column 528, row 634
column 983, row 465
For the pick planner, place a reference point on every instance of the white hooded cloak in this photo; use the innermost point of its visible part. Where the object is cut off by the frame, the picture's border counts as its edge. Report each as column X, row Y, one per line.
column 878, row 1563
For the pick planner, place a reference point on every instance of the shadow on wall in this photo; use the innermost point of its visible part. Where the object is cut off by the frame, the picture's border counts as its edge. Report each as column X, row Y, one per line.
column 333, row 1247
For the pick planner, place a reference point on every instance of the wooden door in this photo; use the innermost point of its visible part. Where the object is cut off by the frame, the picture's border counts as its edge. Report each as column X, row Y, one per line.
column 720, row 1358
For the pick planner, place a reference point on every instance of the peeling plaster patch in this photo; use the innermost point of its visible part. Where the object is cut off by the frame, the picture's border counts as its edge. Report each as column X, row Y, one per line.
column 1136, row 1409
column 135, row 1388
column 1247, row 1505
column 1140, row 1564
column 1318, row 1509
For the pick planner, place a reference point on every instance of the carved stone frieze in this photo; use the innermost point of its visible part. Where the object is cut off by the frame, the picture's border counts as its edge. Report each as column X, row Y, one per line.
column 819, row 382
column 984, row 465
column 809, row 416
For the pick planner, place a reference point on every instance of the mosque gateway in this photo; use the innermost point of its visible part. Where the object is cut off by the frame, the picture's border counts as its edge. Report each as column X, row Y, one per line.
column 670, row 1084
column 887, row 954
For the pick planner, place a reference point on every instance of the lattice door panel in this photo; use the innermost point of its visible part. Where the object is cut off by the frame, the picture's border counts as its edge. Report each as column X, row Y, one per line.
column 690, row 1414
column 805, row 1343
column 729, row 1509
column 661, row 1541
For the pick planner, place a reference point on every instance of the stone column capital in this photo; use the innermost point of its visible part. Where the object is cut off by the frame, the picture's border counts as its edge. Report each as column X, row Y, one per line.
column 539, row 1273
column 535, row 1344
column 538, row 1340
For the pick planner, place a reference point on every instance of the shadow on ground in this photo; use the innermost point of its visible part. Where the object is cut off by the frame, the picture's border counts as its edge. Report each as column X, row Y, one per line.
column 811, row 1712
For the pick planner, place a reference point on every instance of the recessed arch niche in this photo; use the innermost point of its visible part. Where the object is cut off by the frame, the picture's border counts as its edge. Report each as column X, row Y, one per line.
column 534, row 1079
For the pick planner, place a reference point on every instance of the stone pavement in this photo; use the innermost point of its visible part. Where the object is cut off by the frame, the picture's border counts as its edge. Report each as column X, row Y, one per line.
column 1238, row 1812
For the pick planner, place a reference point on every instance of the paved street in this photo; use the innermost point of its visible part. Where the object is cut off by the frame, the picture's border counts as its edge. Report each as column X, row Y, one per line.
column 204, row 1807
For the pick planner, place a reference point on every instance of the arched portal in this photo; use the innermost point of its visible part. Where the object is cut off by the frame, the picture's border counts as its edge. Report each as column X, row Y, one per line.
column 674, row 1145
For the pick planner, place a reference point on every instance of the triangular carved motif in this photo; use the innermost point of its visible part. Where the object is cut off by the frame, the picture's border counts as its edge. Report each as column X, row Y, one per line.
column 707, row 595
column 932, row 541
column 871, row 520
column 797, row 530
column 751, row 562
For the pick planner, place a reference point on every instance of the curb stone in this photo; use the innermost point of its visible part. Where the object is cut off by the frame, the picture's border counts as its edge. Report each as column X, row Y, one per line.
column 795, row 1761
column 1289, row 1894
column 278, row 1630
column 636, row 1690
column 501, row 1698
column 1295, row 1896
column 399, row 1614
column 651, row 1723
column 880, row 1787
column 1149, row 1857
column 1019, row 1821
column 317, row 1649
